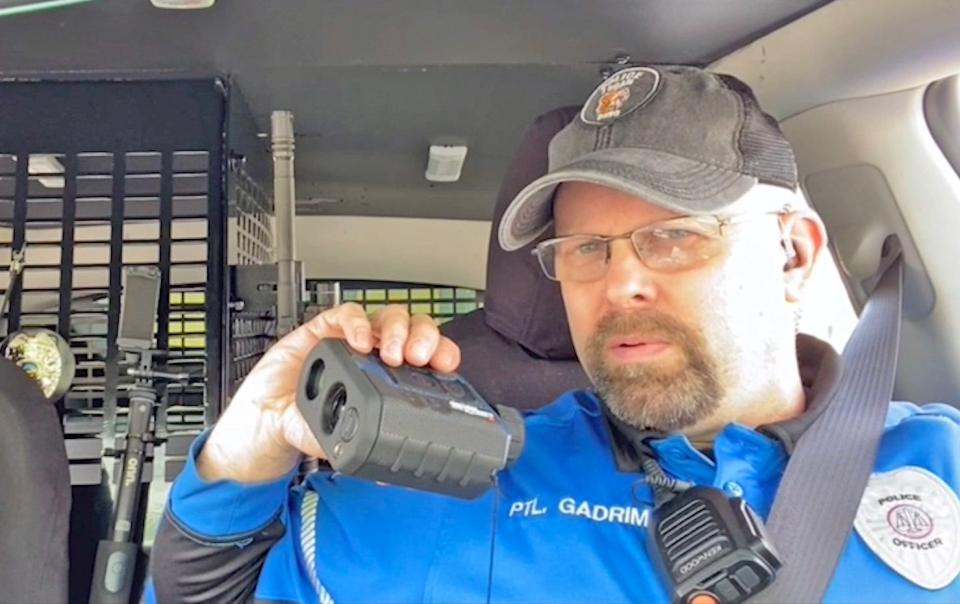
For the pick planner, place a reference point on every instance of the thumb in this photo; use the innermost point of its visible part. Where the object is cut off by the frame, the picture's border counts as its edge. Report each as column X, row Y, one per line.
column 298, row 433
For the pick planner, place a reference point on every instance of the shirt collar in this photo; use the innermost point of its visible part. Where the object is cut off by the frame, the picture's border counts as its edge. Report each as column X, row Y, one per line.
column 820, row 370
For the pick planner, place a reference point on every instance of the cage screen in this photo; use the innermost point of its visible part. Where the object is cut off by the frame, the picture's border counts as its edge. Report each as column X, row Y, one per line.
column 251, row 225
column 252, row 331
column 116, row 174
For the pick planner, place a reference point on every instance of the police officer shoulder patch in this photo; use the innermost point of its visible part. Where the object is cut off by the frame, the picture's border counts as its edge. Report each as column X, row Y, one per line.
column 910, row 518
column 622, row 93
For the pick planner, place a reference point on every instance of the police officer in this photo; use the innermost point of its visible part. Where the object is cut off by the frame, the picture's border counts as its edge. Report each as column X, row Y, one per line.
column 682, row 248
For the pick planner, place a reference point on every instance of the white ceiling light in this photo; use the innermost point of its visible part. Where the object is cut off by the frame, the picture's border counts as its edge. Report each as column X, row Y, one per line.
column 445, row 162
column 182, row 4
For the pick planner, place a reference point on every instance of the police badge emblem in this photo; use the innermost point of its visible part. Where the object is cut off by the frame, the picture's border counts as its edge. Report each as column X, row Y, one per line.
column 910, row 518
column 622, row 93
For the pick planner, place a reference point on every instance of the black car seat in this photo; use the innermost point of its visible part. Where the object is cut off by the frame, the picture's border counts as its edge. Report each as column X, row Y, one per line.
column 517, row 350
column 35, row 493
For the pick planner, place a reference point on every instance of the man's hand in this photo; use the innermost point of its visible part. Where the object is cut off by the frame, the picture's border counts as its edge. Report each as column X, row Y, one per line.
column 261, row 435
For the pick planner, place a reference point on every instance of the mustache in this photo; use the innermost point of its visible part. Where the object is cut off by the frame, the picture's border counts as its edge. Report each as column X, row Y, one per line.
column 667, row 398
column 648, row 323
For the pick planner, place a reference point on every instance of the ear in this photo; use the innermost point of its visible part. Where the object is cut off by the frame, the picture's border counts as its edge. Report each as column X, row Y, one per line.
column 804, row 238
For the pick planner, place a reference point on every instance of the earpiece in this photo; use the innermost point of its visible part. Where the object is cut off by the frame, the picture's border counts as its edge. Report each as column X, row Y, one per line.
column 792, row 258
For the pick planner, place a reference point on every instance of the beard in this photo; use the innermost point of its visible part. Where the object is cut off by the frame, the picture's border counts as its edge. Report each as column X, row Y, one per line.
column 664, row 394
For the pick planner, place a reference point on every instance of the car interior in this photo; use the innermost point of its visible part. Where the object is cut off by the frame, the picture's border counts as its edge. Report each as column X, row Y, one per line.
column 151, row 133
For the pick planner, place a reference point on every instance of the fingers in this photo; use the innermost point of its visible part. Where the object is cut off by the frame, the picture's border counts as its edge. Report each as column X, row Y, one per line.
column 392, row 326
column 348, row 321
column 423, row 340
column 447, row 356
column 414, row 340
column 405, row 339
column 401, row 338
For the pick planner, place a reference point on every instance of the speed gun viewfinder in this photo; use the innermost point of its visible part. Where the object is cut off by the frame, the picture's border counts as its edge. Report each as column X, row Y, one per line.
column 405, row 425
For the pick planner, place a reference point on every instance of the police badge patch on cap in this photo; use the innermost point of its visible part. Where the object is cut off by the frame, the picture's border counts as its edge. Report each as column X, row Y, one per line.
column 910, row 518
column 620, row 94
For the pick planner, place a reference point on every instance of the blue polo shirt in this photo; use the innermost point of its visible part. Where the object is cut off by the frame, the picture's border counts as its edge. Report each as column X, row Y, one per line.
column 567, row 523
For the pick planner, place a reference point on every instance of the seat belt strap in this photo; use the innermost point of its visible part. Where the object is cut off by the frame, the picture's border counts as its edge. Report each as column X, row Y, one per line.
column 822, row 486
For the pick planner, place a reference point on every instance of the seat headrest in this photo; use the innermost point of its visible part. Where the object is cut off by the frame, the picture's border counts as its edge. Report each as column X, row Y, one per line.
column 521, row 304
column 36, row 498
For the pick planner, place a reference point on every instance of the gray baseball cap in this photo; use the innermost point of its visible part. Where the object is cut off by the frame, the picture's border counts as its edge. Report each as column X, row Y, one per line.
column 683, row 138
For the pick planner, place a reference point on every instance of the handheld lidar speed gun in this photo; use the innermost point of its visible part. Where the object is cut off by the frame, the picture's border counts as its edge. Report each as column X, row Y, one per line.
column 405, row 425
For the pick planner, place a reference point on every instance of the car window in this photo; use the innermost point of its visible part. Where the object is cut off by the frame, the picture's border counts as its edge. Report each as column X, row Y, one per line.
column 827, row 312
column 442, row 302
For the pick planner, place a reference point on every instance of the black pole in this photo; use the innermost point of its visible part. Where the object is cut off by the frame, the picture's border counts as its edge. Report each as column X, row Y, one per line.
column 68, row 224
column 19, row 237
column 112, row 369
column 118, row 555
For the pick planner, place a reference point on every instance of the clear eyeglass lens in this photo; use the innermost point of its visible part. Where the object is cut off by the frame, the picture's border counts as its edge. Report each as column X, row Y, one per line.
column 669, row 245
column 578, row 258
column 676, row 246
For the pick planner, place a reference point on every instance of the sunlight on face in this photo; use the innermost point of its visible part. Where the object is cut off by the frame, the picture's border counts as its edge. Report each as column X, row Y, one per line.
column 664, row 350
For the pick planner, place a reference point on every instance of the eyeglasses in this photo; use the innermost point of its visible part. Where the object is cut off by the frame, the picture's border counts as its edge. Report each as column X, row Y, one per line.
column 669, row 245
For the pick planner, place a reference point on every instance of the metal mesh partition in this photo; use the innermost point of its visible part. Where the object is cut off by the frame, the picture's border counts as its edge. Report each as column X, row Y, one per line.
column 77, row 245
column 83, row 217
column 95, row 176
column 252, row 237
column 253, row 323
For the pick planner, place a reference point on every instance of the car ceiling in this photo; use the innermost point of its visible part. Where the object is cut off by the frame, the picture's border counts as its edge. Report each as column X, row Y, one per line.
column 373, row 83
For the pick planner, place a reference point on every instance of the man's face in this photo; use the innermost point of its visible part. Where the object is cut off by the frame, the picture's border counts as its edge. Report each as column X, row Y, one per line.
column 666, row 349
